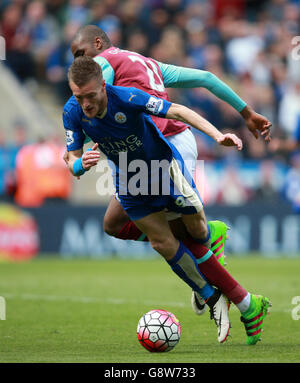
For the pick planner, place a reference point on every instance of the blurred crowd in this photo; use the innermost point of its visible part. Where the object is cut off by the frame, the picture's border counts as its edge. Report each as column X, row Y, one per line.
column 247, row 43
column 32, row 172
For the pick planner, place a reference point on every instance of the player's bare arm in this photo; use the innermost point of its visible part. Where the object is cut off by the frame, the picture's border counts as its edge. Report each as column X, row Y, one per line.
column 181, row 77
column 184, row 114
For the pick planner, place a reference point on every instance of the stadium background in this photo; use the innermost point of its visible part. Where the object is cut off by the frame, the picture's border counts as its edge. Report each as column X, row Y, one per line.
column 247, row 44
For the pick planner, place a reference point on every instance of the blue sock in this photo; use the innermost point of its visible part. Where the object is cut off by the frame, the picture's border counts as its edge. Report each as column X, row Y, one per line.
column 184, row 264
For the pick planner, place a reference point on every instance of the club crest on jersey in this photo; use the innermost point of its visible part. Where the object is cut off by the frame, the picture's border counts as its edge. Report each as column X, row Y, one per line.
column 154, row 105
column 120, row 117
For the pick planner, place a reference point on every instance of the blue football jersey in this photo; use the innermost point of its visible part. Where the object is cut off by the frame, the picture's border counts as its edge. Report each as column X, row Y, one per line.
column 130, row 139
column 125, row 127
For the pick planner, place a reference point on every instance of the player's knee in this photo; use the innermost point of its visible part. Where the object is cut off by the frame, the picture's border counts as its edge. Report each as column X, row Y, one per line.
column 162, row 245
column 111, row 227
column 198, row 229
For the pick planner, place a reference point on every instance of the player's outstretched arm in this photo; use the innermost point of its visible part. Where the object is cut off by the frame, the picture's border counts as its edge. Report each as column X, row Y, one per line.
column 181, row 77
column 184, row 114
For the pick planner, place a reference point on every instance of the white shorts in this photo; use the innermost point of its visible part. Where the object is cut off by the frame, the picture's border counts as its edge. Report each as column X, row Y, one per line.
column 186, row 145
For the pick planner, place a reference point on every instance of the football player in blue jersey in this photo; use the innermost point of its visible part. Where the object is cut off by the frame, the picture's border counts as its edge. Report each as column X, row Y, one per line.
column 126, row 68
column 118, row 120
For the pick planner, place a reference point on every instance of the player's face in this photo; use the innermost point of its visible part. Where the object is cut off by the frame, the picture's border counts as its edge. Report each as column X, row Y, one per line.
column 91, row 97
column 82, row 48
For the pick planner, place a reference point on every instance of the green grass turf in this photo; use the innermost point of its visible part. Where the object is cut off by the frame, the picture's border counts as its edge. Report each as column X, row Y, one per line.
column 87, row 311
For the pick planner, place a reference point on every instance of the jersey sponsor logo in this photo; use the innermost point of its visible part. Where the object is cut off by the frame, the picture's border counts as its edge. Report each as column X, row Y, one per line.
column 111, row 147
column 69, row 137
column 154, row 105
column 120, row 117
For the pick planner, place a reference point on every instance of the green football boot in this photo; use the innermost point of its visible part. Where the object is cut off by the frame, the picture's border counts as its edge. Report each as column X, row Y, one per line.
column 253, row 319
column 218, row 236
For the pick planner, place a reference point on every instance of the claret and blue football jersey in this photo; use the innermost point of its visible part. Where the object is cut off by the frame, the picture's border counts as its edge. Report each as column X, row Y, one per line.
column 129, row 138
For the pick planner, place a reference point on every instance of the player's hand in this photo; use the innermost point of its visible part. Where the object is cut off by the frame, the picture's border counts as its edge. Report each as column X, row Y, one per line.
column 90, row 158
column 257, row 123
column 230, row 139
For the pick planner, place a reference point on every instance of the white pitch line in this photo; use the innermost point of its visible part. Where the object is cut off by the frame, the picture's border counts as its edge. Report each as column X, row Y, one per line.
column 78, row 299
column 114, row 301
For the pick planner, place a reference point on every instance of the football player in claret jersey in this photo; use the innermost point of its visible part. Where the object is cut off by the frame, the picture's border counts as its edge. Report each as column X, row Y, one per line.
column 125, row 68
column 110, row 115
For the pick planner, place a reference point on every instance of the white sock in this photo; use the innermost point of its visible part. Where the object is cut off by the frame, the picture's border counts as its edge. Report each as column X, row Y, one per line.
column 244, row 304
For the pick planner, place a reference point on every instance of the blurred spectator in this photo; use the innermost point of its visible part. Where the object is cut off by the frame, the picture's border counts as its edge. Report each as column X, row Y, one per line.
column 59, row 61
column 55, row 8
column 275, row 8
column 232, row 7
column 112, row 6
column 43, row 33
column 260, row 71
column 268, row 183
column 18, row 54
column 196, row 42
column 138, row 42
column 232, row 190
column 3, row 164
column 289, row 146
column 41, row 173
column 175, row 51
column 109, row 22
column 157, row 21
column 19, row 140
column 129, row 17
column 243, row 48
column 77, row 12
column 292, row 184
column 289, row 108
column 8, row 153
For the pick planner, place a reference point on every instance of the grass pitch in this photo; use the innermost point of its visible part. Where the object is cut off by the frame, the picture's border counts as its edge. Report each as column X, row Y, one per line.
column 88, row 310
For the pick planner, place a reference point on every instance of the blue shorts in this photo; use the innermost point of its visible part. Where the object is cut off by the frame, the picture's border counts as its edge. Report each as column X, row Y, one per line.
column 182, row 196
